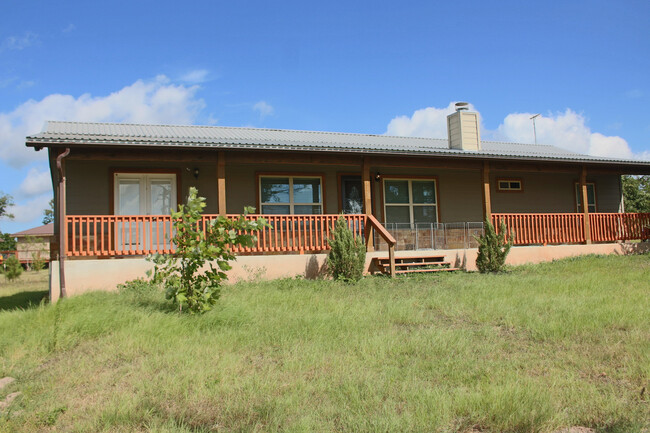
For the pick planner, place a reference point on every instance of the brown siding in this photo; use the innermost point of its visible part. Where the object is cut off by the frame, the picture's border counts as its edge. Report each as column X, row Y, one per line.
column 88, row 185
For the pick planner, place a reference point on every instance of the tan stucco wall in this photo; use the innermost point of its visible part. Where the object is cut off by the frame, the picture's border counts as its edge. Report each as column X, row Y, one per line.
column 86, row 275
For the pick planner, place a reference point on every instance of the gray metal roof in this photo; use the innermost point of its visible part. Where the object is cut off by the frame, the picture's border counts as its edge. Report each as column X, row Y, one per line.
column 119, row 134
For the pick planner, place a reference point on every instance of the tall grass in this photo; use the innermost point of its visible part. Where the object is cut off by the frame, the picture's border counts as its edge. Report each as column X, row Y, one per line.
column 539, row 348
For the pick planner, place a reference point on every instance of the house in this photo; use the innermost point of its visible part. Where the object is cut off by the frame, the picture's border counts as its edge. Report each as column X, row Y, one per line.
column 34, row 243
column 115, row 183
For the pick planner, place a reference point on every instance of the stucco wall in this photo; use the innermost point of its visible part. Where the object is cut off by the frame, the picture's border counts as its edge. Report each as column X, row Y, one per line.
column 86, row 275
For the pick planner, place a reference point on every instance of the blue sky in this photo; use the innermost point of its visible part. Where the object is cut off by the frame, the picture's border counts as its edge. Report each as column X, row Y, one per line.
column 362, row 66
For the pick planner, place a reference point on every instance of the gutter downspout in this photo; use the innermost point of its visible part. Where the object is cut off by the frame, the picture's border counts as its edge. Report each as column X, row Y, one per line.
column 63, row 235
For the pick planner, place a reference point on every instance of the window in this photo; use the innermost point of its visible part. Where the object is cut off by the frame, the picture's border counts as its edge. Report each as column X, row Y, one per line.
column 144, row 193
column 410, row 201
column 284, row 195
column 509, row 185
column 591, row 197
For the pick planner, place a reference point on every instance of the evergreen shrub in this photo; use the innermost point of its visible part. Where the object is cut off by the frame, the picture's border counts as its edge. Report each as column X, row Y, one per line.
column 347, row 257
column 493, row 248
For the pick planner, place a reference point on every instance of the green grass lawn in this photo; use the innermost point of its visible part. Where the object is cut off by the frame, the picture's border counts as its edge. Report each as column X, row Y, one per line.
column 535, row 350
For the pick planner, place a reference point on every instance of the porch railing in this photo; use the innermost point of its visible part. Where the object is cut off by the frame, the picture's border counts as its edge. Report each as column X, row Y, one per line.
column 569, row 228
column 123, row 235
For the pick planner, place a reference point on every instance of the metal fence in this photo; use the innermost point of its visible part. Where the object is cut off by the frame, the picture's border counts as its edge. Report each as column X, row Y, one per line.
column 431, row 236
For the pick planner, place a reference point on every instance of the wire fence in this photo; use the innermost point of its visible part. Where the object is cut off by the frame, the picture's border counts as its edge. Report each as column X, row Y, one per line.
column 431, row 236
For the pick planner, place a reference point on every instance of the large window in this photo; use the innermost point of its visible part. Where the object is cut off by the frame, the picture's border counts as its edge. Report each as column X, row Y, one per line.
column 302, row 195
column 144, row 193
column 410, row 201
column 591, row 198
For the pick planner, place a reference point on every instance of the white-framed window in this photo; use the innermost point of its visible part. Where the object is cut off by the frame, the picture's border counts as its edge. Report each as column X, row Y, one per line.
column 144, row 193
column 410, row 201
column 289, row 195
column 509, row 185
column 591, row 197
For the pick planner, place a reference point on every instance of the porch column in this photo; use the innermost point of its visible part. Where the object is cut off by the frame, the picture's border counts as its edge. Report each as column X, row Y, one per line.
column 367, row 197
column 487, row 203
column 585, row 203
column 221, row 182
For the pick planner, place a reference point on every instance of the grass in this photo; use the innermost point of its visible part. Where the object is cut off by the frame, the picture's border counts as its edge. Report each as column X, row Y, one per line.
column 534, row 350
column 26, row 292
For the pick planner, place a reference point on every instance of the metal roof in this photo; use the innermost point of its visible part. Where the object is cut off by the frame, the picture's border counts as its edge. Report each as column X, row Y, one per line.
column 120, row 134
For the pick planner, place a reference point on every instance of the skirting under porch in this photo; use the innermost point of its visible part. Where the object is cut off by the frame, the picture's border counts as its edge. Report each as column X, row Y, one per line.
column 105, row 274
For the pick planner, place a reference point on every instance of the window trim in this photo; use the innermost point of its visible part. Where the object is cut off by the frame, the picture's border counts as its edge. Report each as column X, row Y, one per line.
column 141, row 171
column 510, row 179
column 576, row 196
column 291, row 175
column 409, row 178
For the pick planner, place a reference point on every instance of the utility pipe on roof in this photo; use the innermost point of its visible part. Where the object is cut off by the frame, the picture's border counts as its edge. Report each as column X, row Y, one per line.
column 62, row 223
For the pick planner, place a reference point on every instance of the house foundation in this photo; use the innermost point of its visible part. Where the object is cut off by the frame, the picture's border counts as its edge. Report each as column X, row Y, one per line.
column 105, row 274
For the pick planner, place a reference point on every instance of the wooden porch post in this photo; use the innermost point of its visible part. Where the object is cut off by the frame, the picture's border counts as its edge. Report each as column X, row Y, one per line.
column 487, row 203
column 585, row 203
column 221, row 182
column 367, row 196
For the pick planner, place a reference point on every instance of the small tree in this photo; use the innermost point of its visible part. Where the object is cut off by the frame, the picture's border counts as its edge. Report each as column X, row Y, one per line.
column 347, row 257
column 187, row 281
column 493, row 248
column 13, row 269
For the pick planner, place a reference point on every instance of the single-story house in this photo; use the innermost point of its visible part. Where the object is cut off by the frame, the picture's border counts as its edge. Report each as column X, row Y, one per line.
column 115, row 184
column 34, row 243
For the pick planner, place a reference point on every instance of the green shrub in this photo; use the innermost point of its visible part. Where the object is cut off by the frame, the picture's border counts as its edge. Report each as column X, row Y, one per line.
column 347, row 257
column 184, row 275
column 12, row 268
column 38, row 262
column 493, row 248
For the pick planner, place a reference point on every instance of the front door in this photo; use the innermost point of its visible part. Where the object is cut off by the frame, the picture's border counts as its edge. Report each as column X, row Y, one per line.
column 144, row 194
column 351, row 195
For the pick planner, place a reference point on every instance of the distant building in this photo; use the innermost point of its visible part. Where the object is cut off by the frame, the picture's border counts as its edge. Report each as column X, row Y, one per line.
column 34, row 242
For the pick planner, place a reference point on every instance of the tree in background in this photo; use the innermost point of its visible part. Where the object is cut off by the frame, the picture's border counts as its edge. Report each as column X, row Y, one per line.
column 636, row 193
column 7, row 243
column 48, row 214
column 6, row 201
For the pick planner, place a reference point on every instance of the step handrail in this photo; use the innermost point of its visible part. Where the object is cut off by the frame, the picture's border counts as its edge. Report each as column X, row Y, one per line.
column 372, row 222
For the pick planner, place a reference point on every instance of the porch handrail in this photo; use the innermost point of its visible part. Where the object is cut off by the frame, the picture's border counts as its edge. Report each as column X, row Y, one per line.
column 371, row 221
column 610, row 227
column 127, row 235
column 543, row 228
column 568, row 228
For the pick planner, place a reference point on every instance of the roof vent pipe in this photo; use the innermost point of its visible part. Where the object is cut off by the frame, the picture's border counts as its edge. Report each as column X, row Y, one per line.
column 462, row 106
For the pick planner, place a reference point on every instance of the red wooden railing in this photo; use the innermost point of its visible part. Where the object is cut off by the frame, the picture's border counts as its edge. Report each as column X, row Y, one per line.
column 543, row 228
column 610, row 227
column 569, row 228
column 124, row 235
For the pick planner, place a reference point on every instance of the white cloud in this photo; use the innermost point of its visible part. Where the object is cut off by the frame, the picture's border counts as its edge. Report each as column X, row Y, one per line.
column 32, row 210
column 145, row 101
column 19, row 42
column 567, row 130
column 36, row 182
column 430, row 122
column 196, row 76
column 264, row 108
column 69, row 28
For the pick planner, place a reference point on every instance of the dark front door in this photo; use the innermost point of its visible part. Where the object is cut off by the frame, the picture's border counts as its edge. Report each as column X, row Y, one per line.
column 351, row 195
